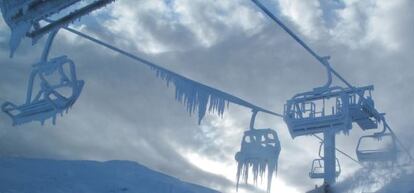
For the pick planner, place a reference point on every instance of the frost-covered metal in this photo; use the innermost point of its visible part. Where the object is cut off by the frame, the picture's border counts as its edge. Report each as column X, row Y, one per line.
column 197, row 97
column 53, row 88
column 53, row 97
column 309, row 113
column 361, row 105
column 45, row 98
column 259, row 154
column 24, row 17
column 378, row 147
column 318, row 166
column 326, row 109
column 305, row 113
column 335, row 108
column 201, row 98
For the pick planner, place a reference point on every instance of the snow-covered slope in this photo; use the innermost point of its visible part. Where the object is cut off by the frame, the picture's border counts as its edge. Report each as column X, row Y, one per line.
column 379, row 178
column 54, row 176
column 401, row 184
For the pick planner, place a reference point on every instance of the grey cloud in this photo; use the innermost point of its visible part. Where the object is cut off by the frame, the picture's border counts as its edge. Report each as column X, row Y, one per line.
column 127, row 113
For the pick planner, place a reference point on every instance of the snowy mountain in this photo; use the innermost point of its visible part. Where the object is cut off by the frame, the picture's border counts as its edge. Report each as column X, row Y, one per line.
column 378, row 178
column 401, row 184
column 51, row 176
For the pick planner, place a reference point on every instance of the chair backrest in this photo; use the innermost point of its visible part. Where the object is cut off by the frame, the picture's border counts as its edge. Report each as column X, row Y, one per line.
column 260, row 137
column 377, row 148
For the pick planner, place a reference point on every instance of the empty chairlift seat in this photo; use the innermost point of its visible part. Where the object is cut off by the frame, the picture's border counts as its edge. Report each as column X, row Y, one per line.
column 311, row 113
column 318, row 169
column 58, row 90
column 318, row 166
column 377, row 148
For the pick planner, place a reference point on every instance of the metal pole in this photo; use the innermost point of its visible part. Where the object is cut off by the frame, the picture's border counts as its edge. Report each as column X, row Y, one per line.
column 329, row 156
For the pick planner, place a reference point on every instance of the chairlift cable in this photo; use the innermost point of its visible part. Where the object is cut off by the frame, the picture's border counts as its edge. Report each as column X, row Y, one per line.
column 154, row 65
column 236, row 100
column 302, row 43
column 247, row 104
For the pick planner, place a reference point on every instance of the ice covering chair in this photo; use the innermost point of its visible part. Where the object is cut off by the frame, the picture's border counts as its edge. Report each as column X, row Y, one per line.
column 51, row 98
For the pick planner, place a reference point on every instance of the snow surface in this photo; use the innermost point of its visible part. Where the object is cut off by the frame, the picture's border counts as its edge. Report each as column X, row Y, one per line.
column 19, row 175
column 379, row 178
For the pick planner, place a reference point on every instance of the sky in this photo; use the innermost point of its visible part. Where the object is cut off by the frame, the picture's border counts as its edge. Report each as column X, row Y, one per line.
column 126, row 113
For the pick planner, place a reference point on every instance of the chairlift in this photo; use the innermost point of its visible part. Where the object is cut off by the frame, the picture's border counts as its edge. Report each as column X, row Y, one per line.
column 50, row 99
column 24, row 16
column 381, row 148
column 259, row 144
column 311, row 113
column 318, row 166
column 308, row 113
column 260, row 149
column 318, row 169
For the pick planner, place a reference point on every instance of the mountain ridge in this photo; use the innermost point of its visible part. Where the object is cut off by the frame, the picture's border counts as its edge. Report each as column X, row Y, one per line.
column 28, row 175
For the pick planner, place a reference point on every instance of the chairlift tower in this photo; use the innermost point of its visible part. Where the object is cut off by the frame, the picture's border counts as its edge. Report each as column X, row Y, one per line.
column 329, row 157
column 352, row 104
column 320, row 111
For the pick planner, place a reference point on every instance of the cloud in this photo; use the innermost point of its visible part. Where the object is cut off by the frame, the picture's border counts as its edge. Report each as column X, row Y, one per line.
column 307, row 15
column 352, row 23
column 125, row 112
column 3, row 36
column 160, row 26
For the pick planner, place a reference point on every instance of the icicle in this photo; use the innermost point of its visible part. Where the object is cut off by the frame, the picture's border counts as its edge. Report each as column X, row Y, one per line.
column 260, row 149
column 195, row 96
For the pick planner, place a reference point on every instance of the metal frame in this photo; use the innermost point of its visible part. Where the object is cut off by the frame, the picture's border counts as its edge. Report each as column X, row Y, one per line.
column 24, row 16
column 306, row 121
column 47, row 102
column 377, row 155
column 260, row 149
column 318, row 166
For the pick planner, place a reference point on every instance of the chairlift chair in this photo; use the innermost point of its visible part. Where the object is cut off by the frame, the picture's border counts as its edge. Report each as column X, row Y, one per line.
column 260, row 144
column 318, row 169
column 260, row 149
column 386, row 152
column 318, row 166
column 49, row 100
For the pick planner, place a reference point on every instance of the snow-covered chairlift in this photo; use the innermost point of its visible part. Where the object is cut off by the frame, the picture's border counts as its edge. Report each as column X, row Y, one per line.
column 379, row 147
column 260, row 149
column 318, row 167
column 51, row 98
column 310, row 112
column 318, row 170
